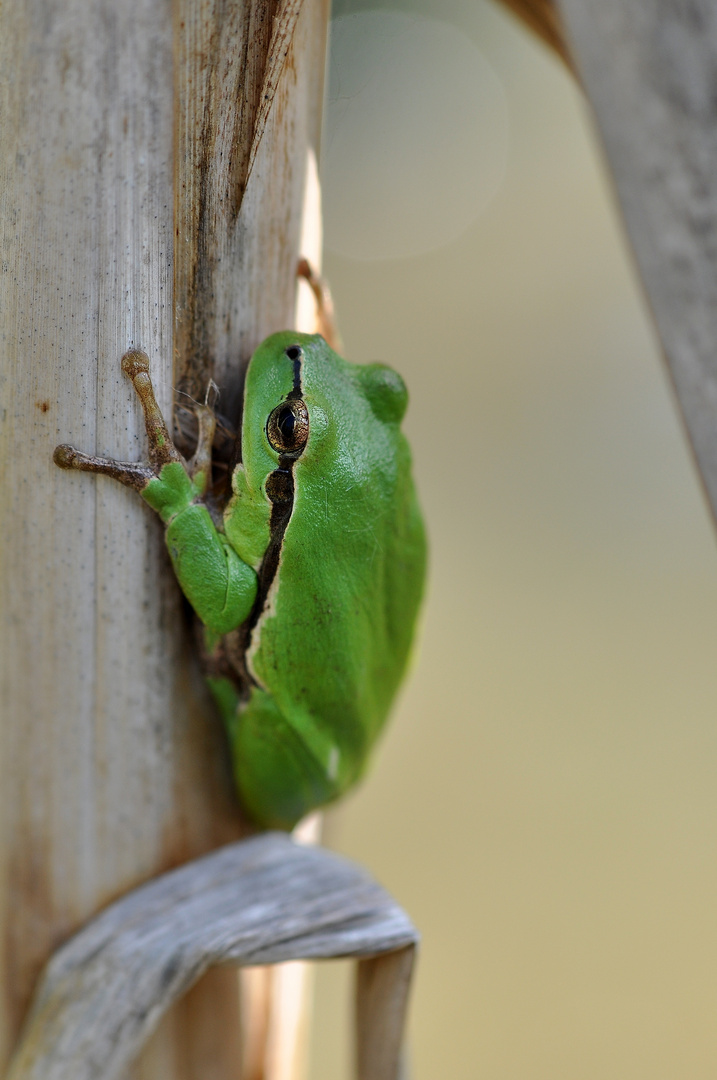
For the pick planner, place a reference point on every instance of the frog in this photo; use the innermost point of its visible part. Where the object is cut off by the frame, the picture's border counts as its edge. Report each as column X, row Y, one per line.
column 307, row 580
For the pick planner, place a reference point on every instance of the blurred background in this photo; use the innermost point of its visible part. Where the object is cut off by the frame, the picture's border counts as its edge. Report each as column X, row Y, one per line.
column 544, row 802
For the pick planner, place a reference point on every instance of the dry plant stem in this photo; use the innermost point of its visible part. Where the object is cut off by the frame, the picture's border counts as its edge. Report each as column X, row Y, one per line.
column 240, row 176
column 382, row 988
column 261, row 901
column 656, row 111
column 113, row 766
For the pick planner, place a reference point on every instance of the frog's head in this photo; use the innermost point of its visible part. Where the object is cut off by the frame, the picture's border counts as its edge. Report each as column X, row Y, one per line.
column 304, row 404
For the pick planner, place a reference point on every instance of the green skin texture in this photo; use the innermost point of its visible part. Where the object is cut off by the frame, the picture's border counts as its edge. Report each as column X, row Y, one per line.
column 331, row 645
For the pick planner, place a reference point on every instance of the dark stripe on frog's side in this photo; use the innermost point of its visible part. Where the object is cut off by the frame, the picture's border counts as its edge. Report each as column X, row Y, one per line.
column 280, row 492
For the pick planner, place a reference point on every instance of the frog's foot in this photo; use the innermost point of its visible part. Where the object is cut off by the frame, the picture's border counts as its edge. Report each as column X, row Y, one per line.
column 162, row 451
column 324, row 304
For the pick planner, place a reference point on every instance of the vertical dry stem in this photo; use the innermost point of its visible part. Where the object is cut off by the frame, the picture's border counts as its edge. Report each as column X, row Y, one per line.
column 112, row 763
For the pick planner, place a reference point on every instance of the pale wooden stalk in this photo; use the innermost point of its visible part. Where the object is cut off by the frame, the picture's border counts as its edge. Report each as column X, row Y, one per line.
column 112, row 762
column 237, row 240
column 382, row 988
column 649, row 69
column 263, row 900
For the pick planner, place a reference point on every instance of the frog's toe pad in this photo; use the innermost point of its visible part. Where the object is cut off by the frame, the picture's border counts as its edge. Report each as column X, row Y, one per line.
column 134, row 363
column 65, row 456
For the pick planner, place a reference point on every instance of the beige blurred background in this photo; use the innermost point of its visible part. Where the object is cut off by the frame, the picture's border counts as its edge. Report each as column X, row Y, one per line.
column 545, row 801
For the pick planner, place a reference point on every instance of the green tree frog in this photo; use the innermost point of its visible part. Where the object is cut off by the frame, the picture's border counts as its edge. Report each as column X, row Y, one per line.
column 308, row 582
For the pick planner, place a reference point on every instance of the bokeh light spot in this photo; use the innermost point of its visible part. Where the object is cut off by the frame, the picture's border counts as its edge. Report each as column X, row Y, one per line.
column 416, row 136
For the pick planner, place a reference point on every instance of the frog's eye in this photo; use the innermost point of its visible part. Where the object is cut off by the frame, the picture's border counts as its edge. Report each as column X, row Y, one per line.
column 287, row 428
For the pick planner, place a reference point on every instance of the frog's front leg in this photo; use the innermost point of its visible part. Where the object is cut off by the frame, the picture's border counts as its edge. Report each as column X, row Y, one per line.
column 136, row 474
column 218, row 584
